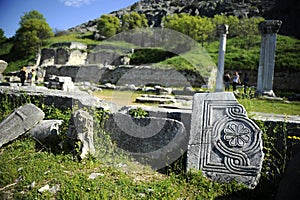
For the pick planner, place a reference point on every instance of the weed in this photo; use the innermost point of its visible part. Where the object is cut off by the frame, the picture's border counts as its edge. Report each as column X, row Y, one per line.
column 138, row 113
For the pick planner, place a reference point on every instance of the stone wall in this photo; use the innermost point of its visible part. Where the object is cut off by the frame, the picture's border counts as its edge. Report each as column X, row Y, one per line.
column 69, row 53
column 127, row 74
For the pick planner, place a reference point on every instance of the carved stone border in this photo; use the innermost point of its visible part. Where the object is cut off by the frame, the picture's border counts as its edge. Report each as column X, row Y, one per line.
column 224, row 143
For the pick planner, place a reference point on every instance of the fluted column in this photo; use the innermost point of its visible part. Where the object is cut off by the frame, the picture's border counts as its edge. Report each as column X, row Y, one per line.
column 268, row 30
column 222, row 32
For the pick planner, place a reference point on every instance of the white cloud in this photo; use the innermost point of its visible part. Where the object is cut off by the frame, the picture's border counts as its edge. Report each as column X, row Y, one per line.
column 76, row 3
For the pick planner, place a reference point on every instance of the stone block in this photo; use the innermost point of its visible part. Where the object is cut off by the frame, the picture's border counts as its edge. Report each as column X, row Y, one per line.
column 63, row 79
column 3, row 66
column 224, row 143
column 19, row 122
column 81, row 129
column 69, row 86
column 58, row 98
column 46, row 131
column 153, row 141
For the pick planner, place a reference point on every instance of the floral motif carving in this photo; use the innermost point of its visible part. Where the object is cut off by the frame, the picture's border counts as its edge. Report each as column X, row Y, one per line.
column 237, row 134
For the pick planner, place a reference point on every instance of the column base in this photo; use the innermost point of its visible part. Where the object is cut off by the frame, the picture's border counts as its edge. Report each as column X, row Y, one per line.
column 219, row 90
column 265, row 93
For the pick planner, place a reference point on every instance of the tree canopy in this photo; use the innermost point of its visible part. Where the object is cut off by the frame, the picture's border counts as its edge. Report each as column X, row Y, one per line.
column 108, row 25
column 203, row 28
column 134, row 20
column 196, row 27
column 32, row 32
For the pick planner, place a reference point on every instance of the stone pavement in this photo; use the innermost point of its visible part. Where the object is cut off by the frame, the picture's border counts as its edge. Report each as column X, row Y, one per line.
column 275, row 117
column 187, row 105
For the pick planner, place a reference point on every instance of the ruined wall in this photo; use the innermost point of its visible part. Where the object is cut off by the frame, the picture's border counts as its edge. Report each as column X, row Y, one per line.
column 127, row 74
column 106, row 66
column 69, row 53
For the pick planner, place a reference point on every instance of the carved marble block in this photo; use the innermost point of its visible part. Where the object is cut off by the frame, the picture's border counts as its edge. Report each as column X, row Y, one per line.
column 224, row 143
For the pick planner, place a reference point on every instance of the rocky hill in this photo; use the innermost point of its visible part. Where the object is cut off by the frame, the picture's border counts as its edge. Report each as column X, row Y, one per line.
column 285, row 10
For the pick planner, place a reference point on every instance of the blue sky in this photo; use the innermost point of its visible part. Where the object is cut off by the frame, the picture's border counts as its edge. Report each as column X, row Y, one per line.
column 59, row 14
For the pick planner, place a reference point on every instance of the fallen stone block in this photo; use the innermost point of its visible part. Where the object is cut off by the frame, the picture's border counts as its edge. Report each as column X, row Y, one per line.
column 3, row 66
column 81, row 129
column 157, row 142
column 46, row 131
column 19, row 122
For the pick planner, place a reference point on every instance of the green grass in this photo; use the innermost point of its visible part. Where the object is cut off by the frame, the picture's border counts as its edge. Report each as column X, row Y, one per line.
column 146, row 56
column 73, row 37
column 269, row 106
column 240, row 55
column 22, row 164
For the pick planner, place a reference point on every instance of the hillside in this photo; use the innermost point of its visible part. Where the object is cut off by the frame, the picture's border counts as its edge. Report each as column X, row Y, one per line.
column 285, row 10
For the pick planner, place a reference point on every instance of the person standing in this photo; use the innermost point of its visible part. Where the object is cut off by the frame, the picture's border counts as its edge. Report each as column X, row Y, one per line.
column 245, row 83
column 22, row 75
column 226, row 79
column 33, row 77
column 236, row 80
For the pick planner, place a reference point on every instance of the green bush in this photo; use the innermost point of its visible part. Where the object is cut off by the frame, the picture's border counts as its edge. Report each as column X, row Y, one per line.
column 145, row 56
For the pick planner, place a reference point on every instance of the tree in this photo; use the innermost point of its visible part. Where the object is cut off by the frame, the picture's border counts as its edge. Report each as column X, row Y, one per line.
column 196, row 27
column 32, row 33
column 108, row 25
column 2, row 37
column 248, row 28
column 134, row 20
column 231, row 21
column 34, row 14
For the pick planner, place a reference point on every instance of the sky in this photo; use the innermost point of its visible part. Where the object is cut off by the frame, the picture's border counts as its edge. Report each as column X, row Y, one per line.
column 59, row 14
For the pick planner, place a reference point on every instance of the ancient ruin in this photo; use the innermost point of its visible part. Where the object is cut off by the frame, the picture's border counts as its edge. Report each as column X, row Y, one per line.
column 153, row 141
column 47, row 131
column 68, row 53
column 81, row 129
column 224, row 143
column 222, row 32
column 19, row 122
column 268, row 30
column 107, row 63
column 60, row 83
column 3, row 66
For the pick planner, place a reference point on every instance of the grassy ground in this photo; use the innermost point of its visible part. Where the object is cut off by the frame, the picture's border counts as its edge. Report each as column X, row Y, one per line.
column 268, row 106
column 25, row 169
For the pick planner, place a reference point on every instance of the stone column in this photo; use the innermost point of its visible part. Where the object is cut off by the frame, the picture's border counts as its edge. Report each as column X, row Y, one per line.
column 222, row 31
column 268, row 30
